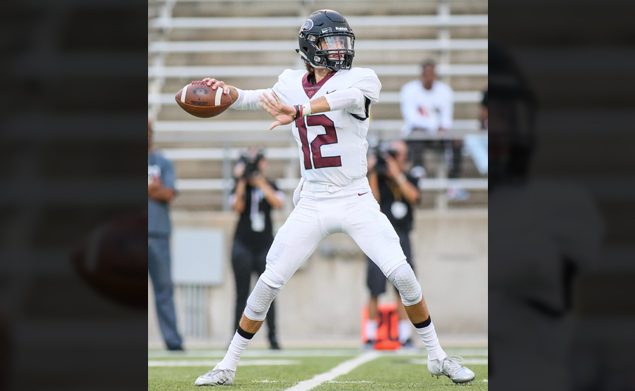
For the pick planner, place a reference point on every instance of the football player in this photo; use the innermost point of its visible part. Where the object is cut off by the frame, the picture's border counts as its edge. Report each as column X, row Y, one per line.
column 328, row 106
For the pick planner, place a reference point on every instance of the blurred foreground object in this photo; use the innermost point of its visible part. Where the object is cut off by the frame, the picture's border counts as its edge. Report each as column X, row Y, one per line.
column 112, row 260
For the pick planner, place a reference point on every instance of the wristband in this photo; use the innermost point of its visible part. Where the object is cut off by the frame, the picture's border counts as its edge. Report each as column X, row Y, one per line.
column 306, row 109
column 298, row 111
column 401, row 178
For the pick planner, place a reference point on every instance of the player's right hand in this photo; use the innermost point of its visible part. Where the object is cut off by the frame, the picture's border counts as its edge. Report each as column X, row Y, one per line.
column 211, row 82
column 283, row 114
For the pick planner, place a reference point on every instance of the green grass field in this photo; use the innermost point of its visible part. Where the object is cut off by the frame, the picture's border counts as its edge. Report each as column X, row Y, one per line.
column 278, row 370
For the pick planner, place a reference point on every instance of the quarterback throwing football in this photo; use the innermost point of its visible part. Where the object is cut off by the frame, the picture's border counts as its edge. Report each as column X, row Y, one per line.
column 327, row 106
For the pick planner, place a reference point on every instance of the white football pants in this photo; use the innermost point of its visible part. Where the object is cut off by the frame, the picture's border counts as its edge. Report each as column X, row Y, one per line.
column 324, row 209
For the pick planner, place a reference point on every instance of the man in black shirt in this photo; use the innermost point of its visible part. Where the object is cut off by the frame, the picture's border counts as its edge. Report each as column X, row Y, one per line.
column 253, row 197
column 397, row 194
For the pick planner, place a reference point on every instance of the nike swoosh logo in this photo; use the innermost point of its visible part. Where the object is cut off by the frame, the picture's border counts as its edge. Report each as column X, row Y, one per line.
column 361, row 194
column 328, row 92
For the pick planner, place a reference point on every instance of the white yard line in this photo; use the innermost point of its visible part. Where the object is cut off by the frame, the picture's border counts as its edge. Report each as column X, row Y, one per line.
column 339, row 370
column 208, row 363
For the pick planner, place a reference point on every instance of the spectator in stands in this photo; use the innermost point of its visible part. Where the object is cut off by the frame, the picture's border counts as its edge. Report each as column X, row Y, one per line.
column 397, row 193
column 253, row 198
column 427, row 109
column 161, row 191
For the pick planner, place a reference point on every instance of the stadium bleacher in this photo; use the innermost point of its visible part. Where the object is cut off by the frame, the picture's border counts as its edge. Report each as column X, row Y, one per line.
column 249, row 46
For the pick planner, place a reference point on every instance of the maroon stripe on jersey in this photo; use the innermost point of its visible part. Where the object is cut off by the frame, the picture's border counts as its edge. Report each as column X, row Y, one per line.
column 309, row 88
column 302, row 132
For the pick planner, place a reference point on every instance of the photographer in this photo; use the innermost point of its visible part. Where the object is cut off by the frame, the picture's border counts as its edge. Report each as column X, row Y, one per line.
column 253, row 197
column 397, row 194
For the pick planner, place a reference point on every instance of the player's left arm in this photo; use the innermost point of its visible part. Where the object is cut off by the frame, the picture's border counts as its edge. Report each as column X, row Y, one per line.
column 243, row 99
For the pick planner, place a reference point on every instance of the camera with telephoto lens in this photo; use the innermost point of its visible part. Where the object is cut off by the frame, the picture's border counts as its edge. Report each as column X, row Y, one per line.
column 251, row 164
column 381, row 167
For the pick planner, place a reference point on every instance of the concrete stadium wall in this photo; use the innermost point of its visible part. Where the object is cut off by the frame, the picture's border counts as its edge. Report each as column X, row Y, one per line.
column 323, row 301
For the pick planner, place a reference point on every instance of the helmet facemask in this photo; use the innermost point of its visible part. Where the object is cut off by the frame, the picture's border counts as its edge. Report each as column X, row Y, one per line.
column 337, row 50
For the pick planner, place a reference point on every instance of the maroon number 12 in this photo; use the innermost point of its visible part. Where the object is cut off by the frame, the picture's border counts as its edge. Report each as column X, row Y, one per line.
column 330, row 137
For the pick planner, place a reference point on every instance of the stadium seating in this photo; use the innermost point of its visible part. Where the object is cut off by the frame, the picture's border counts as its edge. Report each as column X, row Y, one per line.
column 248, row 43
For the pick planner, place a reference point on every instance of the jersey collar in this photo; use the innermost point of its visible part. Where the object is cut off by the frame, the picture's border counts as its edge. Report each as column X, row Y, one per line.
column 311, row 89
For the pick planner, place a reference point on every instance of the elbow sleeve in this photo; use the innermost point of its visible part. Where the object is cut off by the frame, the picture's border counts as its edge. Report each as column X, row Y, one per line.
column 350, row 99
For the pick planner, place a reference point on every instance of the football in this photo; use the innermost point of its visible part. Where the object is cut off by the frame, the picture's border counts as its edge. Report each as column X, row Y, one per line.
column 112, row 259
column 202, row 101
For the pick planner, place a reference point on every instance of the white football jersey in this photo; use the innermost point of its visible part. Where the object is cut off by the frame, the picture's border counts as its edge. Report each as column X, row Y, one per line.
column 332, row 146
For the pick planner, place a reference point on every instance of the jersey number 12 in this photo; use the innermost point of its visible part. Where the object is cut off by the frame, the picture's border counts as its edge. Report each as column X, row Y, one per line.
column 330, row 137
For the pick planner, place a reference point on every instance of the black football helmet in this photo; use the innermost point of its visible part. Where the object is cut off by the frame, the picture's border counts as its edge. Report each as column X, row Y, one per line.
column 331, row 30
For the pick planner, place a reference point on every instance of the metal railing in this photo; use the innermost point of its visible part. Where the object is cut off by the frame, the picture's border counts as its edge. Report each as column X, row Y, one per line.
column 291, row 45
column 290, row 21
column 196, row 71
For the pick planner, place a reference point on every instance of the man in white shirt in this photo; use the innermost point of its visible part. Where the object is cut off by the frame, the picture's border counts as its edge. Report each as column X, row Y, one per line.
column 427, row 108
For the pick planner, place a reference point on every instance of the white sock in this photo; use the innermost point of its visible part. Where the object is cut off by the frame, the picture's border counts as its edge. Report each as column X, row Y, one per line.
column 405, row 330
column 430, row 339
column 371, row 329
column 236, row 347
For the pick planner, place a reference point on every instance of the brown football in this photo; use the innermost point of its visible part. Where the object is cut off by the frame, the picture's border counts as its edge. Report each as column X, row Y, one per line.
column 202, row 101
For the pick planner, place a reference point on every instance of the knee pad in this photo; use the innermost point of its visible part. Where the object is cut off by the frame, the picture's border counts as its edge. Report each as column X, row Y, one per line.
column 260, row 300
column 403, row 278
